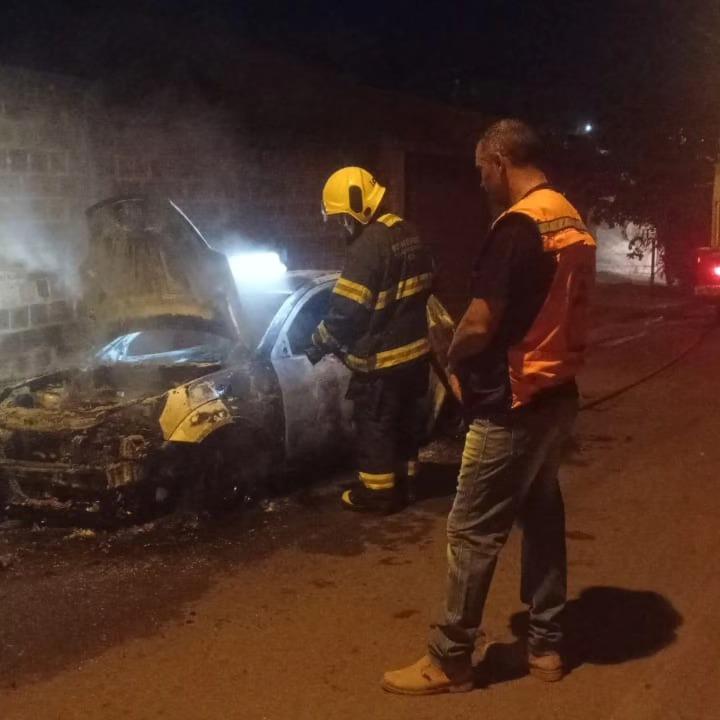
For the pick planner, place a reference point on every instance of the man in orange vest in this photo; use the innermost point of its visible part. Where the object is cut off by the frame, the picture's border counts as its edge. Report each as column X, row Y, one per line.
column 513, row 363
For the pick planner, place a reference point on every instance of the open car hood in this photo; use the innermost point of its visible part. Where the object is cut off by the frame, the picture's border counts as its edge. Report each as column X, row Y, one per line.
column 148, row 266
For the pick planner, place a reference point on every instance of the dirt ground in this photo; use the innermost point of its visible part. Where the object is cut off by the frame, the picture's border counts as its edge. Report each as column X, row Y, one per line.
column 294, row 608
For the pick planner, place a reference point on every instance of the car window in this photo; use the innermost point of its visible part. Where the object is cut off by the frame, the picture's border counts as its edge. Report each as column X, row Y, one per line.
column 153, row 342
column 256, row 312
column 166, row 346
column 308, row 318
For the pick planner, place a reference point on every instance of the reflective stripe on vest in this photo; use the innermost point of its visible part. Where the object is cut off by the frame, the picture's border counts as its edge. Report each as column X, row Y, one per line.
column 558, row 222
column 354, row 291
column 552, row 351
column 389, row 219
column 404, row 289
column 364, row 296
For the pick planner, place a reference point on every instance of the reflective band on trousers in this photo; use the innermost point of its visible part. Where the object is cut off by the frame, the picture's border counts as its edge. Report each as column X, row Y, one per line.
column 382, row 481
column 390, row 358
column 354, row 291
column 405, row 288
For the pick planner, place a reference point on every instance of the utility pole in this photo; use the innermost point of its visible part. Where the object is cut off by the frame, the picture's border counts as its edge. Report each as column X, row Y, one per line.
column 715, row 234
column 653, row 253
column 650, row 233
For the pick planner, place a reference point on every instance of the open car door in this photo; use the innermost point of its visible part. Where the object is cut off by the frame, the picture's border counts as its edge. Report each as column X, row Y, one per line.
column 441, row 330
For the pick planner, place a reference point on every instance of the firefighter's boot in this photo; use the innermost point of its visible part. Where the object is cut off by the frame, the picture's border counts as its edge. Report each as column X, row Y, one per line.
column 382, row 501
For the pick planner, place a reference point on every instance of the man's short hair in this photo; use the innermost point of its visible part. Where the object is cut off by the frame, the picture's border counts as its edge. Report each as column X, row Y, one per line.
column 513, row 139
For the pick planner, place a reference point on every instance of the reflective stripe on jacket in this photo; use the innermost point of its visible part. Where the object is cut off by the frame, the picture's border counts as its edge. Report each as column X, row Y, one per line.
column 552, row 351
column 377, row 318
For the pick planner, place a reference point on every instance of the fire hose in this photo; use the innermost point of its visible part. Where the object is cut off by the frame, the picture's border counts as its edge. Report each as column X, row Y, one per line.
column 590, row 404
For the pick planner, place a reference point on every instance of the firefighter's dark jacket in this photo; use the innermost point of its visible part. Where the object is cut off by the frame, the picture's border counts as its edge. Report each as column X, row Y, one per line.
column 377, row 319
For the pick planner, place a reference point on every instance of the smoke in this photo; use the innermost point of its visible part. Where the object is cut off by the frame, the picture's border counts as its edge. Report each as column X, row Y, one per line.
column 31, row 246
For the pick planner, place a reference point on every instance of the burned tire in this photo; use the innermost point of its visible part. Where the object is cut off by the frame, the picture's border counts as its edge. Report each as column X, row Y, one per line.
column 234, row 467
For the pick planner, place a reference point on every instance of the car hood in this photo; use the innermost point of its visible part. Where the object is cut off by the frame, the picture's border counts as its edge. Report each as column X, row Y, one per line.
column 82, row 398
column 148, row 266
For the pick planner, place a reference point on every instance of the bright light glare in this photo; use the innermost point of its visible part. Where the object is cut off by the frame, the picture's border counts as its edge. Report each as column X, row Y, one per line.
column 256, row 268
column 716, row 271
column 588, row 127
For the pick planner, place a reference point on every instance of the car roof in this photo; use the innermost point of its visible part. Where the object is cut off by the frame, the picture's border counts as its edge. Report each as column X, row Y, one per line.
column 300, row 278
column 294, row 285
column 291, row 282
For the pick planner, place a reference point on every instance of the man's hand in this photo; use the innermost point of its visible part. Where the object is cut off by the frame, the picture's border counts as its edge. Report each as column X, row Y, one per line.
column 454, row 383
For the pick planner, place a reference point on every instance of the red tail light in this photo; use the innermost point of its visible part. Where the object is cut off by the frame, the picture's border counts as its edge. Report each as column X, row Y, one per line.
column 708, row 269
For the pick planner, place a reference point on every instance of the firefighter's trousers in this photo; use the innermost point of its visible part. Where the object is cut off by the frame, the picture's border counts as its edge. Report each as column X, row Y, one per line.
column 390, row 414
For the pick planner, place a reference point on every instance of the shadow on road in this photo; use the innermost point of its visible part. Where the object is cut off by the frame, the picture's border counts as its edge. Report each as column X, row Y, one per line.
column 437, row 480
column 609, row 625
column 603, row 626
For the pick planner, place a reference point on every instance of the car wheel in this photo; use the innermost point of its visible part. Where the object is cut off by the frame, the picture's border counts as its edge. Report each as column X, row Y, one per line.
column 235, row 466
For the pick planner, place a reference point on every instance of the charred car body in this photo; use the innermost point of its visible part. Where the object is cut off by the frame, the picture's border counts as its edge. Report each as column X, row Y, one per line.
column 196, row 385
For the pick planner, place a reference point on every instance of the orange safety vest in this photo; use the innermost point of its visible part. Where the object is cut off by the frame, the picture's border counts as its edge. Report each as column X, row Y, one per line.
column 552, row 351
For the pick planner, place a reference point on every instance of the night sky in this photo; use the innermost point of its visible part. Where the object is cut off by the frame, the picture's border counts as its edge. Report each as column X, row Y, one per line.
column 563, row 63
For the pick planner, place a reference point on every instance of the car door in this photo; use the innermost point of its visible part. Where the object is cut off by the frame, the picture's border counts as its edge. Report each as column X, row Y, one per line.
column 441, row 329
column 317, row 415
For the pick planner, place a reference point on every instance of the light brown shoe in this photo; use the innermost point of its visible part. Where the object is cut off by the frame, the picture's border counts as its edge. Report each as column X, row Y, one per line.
column 424, row 678
column 548, row 667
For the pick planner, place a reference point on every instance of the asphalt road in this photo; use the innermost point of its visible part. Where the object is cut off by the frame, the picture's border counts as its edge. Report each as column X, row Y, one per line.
column 294, row 609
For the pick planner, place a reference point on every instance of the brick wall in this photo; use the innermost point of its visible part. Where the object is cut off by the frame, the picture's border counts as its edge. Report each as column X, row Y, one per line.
column 45, row 185
column 35, row 321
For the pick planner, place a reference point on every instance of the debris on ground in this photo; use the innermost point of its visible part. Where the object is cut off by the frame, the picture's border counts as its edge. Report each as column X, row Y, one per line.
column 139, row 529
column 442, row 450
column 11, row 524
column 81, row 534
column 6, row 561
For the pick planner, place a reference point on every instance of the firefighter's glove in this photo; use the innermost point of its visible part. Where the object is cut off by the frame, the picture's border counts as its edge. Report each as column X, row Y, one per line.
column 314, row 354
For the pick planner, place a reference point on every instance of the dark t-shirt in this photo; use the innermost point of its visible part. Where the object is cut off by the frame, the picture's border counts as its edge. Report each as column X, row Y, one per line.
column 513, row 268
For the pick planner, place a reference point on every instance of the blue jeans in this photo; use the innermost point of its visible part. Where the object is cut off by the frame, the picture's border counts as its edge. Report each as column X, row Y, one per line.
column 509, row 473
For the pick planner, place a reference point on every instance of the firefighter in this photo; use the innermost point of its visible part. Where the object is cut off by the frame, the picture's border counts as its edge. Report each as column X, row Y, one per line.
column 377, row 325
column 513, row 360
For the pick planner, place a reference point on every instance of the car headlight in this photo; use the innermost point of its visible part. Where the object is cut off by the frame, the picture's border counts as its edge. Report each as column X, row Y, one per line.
column 200, row 393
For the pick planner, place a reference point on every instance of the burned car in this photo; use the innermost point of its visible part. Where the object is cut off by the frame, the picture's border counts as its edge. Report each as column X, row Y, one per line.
column 195, row 385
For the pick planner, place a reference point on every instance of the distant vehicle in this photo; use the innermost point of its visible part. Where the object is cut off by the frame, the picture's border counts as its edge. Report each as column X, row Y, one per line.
column 707, row 274
column 194, row 386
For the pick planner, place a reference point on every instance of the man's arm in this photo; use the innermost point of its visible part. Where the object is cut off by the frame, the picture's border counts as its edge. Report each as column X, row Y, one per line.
column 506, row 247
column 353, row 299
column 476, row 329
column 473, row 334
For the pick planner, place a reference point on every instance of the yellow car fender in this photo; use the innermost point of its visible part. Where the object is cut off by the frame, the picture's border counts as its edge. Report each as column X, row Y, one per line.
column 192, row 412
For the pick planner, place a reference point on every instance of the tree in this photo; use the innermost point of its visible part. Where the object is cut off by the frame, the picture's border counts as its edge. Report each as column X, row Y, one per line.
column 656, row 177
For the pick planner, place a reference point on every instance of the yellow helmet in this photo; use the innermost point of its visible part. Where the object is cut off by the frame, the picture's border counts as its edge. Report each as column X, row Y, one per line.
column 352, row 191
